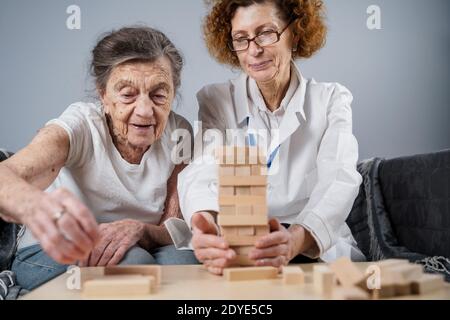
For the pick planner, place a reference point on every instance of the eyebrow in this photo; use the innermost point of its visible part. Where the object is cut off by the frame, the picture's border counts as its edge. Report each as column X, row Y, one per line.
column 125, row 83
column 269, row 24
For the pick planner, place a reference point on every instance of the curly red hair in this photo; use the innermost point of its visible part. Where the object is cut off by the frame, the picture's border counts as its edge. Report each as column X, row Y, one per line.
column 309, row 25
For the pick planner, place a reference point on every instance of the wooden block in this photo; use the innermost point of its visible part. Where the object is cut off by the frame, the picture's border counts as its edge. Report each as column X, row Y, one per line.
column 246, row 231
column 427, row 283
column 227, row 191
column 145, row 270
column 256, row 156
column 119, row 286
column 407, row 272
column 259, row 170
column 323, row 279
column 387, row 285
column 293, row 275
column 226, row 171
column 402, row 288
column 242, row 171
column 244, row 210
column 251, row 273
column 262, row 230
column 232, row 155
column 258, row 191
column 241, row 200
column 227, row 210
column 228, row 231
column 238, row 221
column 241, row 240
column 260, row 209
column 347, row 273
column 391, row 263
column 243, row 250
column 242, row 181
column 243, row 261
column 241, row 191
column 350, row 293
column 89, row 273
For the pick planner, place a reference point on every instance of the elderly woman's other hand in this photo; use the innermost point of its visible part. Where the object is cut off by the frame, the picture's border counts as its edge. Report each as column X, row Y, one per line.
column 116, row 238
column 65, row 227
column 210, row 249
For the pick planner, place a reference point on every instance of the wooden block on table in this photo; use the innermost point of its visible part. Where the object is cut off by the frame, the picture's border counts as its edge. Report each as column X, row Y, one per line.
column 144, row 270
column 293, row 275
column 119, row 286
column 250, row 220
column 427, row 283
column 89, row 273
column 323, row 279
column 347, row 273
column 259, row 170
column 242, row 181
column 246, row 231
column 407, row 272
column 251, row 273
column 242, row 171
column 227, row 210
column 350, row 293
column 245, row 210
column 388, row 263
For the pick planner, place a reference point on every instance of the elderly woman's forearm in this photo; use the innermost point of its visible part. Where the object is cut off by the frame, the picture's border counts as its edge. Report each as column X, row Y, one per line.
column 17, row 196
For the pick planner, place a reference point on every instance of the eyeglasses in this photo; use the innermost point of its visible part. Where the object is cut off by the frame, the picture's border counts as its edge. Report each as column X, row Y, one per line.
column 264, row 39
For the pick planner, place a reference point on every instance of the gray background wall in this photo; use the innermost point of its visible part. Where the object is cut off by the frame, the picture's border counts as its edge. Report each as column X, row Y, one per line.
column 399, row 75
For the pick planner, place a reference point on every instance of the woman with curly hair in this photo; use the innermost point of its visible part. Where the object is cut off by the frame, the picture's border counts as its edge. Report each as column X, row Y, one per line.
column 312, row 189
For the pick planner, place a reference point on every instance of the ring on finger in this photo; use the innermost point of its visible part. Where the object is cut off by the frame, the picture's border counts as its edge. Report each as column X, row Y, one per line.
column 58, row 214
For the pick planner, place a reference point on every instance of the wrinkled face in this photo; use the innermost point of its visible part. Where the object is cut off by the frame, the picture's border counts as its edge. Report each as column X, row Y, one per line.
column 138, row 99
column 262, row 63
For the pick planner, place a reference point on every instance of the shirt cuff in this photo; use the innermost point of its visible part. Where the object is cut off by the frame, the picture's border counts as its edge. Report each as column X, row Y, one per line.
column 319, row 231
column 196, row 205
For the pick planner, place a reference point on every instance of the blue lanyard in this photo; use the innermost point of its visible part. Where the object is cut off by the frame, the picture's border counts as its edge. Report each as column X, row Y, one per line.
column 252, row 143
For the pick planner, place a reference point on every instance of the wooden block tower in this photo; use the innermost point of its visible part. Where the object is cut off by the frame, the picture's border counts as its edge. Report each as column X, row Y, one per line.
column 242, row 198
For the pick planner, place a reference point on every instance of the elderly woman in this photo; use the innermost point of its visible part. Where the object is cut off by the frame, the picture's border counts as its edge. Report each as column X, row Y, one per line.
column 312, row 189
column 108, row 163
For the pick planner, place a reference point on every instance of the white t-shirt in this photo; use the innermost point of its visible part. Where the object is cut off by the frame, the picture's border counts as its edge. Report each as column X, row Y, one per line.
column 108, row 185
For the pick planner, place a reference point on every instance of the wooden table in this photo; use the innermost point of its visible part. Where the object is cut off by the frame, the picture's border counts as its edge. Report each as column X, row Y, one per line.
column 193, row 282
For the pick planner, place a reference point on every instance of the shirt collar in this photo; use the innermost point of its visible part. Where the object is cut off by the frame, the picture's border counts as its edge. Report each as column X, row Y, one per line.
column 244, row 89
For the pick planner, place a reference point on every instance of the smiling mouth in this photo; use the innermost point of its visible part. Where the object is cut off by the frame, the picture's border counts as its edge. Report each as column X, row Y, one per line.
column 142, row 126
column 259, row 65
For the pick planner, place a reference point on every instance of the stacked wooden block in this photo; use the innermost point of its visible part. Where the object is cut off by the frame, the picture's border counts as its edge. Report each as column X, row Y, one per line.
column 242, row 199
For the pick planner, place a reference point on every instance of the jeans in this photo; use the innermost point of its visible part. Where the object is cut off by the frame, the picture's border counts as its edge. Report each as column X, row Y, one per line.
column 33, row 267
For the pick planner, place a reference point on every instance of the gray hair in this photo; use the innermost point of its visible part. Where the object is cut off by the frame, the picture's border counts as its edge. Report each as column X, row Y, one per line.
column 133, row 43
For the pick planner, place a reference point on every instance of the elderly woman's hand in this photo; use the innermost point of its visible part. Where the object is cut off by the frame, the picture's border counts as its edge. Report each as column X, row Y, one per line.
column 210, row 249
column 281, row 245
column 65, row 228
column 116, row 238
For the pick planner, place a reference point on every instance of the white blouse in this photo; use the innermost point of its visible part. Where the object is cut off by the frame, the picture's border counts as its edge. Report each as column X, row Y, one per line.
column 108, row 185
